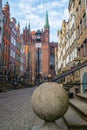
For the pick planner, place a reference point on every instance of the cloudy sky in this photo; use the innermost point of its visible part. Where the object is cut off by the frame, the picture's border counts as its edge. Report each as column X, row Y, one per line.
column 35, row 10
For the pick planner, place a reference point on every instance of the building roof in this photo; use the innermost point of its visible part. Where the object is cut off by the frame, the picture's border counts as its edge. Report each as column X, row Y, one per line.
column 33, row 33
column 38, row 32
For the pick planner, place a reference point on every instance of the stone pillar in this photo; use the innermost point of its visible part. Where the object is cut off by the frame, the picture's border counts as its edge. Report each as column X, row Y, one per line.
column 50, row 102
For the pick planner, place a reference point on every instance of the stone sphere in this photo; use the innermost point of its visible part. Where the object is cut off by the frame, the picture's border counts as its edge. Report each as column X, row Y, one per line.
column 50, row 101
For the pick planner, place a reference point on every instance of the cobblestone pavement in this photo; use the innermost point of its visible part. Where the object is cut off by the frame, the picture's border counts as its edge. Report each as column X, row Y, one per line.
column 16, row 112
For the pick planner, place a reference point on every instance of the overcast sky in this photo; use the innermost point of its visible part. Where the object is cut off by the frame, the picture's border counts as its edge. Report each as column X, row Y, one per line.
column 35, row 10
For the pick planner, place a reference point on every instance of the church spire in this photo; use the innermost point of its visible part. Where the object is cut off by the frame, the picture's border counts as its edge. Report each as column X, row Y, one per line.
column 47, row 21
column 29, row 26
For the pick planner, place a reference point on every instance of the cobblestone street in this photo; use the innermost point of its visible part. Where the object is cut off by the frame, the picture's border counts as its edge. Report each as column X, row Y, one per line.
column 15, row 110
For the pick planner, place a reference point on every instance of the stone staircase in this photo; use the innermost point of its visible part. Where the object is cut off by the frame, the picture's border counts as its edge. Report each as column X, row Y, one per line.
column 76, row 116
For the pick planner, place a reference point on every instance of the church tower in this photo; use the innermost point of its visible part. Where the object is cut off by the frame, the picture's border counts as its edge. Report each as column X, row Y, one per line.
column 46, row 29
column 45, row 48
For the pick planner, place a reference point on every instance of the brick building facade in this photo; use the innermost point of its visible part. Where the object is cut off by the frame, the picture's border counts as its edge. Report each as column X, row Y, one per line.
column 34, row 62
column 1, row 34
column 6, row 39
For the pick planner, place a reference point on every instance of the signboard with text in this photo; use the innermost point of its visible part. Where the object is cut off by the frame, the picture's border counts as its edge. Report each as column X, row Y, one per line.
column 38, row 45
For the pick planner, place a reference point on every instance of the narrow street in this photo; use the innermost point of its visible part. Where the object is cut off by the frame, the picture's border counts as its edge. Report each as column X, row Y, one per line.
column 15, row 110
column 43, row 41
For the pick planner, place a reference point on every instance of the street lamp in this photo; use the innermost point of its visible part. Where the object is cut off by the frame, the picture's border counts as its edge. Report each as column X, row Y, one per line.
column 38, row 46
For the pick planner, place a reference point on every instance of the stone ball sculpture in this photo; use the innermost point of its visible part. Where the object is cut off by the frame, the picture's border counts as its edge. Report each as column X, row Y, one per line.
column 50, row 101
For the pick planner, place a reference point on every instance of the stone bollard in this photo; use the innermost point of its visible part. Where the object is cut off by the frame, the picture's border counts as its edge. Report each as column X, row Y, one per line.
column 50, row 102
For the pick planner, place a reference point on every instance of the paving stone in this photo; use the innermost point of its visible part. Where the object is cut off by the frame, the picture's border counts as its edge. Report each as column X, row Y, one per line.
column 15, row 110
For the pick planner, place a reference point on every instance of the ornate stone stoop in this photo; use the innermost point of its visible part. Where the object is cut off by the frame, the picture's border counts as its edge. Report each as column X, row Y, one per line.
column 46, row 104
column 76, row 116
column 50, row 102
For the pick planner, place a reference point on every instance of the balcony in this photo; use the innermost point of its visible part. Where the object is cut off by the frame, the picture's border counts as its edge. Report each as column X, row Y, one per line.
column 85, row 29
column 80, row 39
column 77, row 21
column 83, row 59
column 80, row 60
column 83, row 34
column 83, row 10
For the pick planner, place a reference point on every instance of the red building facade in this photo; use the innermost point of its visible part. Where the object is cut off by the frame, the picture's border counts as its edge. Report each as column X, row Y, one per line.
column 6, row 39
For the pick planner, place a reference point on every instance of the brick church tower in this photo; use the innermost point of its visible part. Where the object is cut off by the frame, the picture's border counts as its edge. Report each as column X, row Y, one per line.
column 46, row 29
column 45, row 48
column 39, row 56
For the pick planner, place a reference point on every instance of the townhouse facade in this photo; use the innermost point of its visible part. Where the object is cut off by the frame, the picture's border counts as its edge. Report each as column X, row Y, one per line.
column 1, row 35
column 10, row 47
column 14, row 58
column 20, row 53
column 53, row 50
column 18, row 46
column 22, row 58
column 72, row 39
column 6, row 39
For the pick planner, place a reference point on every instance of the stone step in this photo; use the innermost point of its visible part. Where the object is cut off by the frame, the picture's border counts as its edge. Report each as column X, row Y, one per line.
column 80, row 106
column 74, row 121
column 60, row 124
column 82, row 97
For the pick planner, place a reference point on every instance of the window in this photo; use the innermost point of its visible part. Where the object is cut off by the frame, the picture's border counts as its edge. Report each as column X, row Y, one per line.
column 11, row 52
column 80, row 28
column 64, row 63
column 21, row 59
column 77, row 12
column 67, row 59
column 84, row 21
column 14, row 42
column 72, row 38
column 75, row 52
column 11, row 39
column 78, row 31
column 0, row 30
column 52, row 59
column 70, row 42
column 21, row 68
column 63, row 51
column 74, row 35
